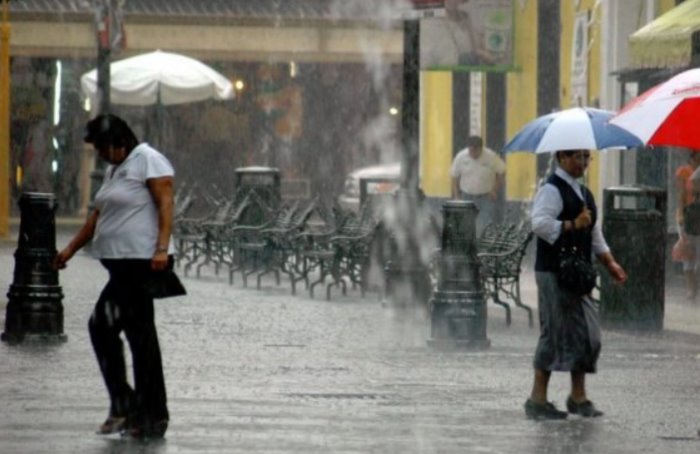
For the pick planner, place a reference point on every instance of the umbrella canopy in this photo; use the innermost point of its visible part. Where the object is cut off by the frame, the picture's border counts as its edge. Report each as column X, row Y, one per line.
column 666, row 114
column 159, row 78
column 579, row 128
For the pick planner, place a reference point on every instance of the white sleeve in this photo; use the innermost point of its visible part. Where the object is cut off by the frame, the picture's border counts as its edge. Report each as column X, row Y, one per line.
column 157, row 166
column 599, row 246
column 498, row 165
column 547, row 206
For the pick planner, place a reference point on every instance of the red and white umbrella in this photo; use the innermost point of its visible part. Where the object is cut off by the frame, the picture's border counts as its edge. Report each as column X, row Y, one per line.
column 666, row 114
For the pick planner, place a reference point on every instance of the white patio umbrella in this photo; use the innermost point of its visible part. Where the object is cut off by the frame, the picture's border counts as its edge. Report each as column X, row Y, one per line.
column 578, row 128
column 159, row 78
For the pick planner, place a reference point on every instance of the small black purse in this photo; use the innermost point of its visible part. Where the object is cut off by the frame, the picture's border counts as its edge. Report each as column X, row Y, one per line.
column 576, row 274
column 163, row 284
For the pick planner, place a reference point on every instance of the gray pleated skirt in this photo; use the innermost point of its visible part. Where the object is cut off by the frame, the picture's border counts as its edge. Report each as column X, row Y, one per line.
column 569, row 329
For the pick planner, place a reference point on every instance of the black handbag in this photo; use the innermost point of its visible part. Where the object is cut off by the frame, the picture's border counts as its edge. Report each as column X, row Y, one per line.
column 691, row 218
column 576, row 274
column 163, row 284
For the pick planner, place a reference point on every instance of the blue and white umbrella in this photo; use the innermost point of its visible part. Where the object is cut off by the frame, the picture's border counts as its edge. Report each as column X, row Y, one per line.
column 579, row 128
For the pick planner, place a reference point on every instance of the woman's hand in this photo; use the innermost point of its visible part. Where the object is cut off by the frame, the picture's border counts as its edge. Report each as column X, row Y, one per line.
column 81, row 238
column 61, row 259
column 584, row 219
column 616, row 272
column 614, row 269
column 159, row 262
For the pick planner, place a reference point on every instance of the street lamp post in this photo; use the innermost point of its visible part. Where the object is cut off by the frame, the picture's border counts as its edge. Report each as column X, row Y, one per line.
column 104, row 56
column 407, row 276
column 5, row 122
column 410, row 111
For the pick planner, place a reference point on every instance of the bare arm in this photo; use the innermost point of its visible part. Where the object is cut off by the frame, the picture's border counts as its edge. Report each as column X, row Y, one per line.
column 79, row 240
column 614, row 269
column 161, row 190
column 455, row 188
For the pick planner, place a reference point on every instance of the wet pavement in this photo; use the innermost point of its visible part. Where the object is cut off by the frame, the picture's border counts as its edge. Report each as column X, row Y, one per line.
column 264, row 371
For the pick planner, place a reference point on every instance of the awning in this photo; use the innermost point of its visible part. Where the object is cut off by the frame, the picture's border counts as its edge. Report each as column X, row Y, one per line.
column 667, row 41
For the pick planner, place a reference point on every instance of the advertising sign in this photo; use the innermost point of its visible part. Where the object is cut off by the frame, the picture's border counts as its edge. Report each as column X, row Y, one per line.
column 471, row 35
column 425, row 8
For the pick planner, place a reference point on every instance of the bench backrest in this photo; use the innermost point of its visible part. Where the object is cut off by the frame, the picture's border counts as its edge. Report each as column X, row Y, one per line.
column 254, row 211
column 284, row 217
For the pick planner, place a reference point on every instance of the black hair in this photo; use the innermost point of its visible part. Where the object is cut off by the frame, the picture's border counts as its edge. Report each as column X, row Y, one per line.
column 109, row 129
column 475, row 141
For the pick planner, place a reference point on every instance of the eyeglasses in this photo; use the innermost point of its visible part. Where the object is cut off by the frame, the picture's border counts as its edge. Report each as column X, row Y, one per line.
column 581, row 157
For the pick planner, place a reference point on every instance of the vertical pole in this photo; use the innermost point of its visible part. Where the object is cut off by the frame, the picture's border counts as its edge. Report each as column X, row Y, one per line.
column 103, row 78
column 548, row 59
column 407, row 278
column 5, row 122
column 104, row 51
column 410, row 104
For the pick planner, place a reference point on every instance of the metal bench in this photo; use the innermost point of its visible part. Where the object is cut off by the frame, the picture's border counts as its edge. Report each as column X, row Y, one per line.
column 500, row 256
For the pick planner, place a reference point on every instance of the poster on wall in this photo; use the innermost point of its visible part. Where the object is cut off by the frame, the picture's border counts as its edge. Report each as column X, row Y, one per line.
column 579, row 61
column 476, row 82
column 470, row 35
column 425, row 8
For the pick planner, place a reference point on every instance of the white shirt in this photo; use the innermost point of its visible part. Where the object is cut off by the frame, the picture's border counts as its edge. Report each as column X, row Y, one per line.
column 127, row 226
column 477, row 176
column 548, row 205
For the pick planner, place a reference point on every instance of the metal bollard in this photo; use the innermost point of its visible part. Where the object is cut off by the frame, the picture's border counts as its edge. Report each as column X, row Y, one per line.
column 34, row 310
column 458, row 306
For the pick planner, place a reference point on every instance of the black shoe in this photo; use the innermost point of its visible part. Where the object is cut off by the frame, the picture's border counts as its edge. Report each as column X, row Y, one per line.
column 113, row 425
column 533, row 410
column 149, row 429
column 585, row 408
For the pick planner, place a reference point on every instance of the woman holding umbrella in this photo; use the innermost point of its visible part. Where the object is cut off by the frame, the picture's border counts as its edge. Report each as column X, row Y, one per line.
column 564, row 215
column 565, row 212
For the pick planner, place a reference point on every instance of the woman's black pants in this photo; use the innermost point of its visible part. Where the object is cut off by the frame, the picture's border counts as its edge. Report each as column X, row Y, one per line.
column 124, row 306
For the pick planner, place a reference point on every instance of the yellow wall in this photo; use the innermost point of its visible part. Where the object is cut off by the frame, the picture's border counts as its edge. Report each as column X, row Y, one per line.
column 664, row 5
column 521, row 102
column 436, row 132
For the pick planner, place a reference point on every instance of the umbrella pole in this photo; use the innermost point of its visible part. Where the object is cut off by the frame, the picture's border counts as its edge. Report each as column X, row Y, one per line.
column 159, row 120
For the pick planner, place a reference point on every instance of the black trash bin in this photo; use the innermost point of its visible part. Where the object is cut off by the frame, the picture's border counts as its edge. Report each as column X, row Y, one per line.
column 635, row 229
column 265, row 181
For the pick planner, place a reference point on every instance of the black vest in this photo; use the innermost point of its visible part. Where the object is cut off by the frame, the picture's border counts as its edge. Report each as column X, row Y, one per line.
column 548, row 254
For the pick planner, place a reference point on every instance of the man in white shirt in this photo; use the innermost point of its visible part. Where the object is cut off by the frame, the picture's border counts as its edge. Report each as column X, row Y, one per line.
column 477, row 175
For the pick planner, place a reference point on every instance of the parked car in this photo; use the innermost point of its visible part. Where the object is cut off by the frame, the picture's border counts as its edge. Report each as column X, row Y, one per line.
column 388, row 180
